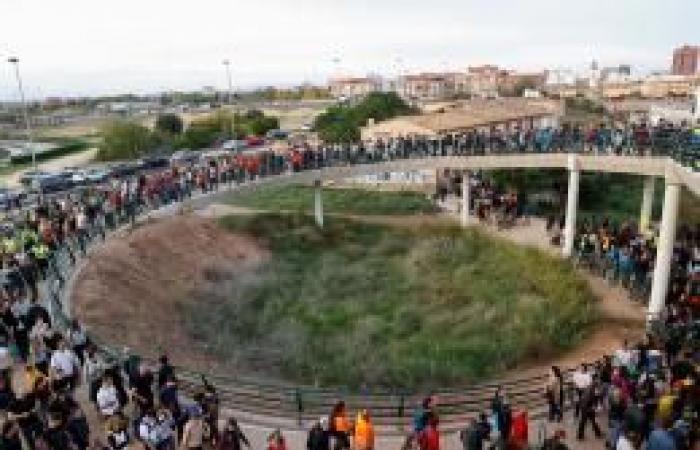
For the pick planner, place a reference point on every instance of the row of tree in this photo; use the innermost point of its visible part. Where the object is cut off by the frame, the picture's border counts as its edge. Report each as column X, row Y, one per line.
column 122, row 139
column 342, row 123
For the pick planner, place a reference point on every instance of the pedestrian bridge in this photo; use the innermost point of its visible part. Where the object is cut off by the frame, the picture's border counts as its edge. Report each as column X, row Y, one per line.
column 653, row 166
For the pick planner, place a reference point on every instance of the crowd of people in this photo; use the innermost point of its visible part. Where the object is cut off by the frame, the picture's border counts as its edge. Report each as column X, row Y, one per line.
column 681, row 141
column 648, row 392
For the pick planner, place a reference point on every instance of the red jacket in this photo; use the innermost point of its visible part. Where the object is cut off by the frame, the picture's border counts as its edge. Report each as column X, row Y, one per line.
column 429, row 439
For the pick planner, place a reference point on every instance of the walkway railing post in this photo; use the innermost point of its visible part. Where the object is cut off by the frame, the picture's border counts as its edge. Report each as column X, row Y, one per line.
column 300, row 406
column 466, row 197
column 571, row 208
column 318, row 204
column 647, row 204
column 664, row 251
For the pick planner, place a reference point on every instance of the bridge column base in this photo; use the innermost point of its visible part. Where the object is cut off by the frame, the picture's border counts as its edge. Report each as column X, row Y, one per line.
column 571, row 208
column 664, row 251
column 466, row 198
column 647, row 205
column 318, row 204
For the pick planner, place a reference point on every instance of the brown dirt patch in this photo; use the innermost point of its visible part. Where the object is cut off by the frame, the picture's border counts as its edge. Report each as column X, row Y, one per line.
column 129, row 291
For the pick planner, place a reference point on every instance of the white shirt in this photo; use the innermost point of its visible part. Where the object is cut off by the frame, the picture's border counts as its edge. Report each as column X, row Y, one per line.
column 64, row 362
column 582, row 379
column 624, row 357
column 81, row 220
column 107, row 400
column 623, row 444
column 5, row 358
column 148, row 430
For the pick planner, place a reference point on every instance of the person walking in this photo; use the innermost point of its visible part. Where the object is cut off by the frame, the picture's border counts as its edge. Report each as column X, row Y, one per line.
column 430, row 437
column 319, row 438
column 588, row 404
column 474, row 436
column 340, row 426
column 554, row 391
column 193, row 433
column 364, row 431
column 232, row 436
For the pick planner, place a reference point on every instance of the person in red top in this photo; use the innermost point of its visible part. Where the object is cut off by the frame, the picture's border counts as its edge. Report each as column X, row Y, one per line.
column 430, row 437
column 276, row 441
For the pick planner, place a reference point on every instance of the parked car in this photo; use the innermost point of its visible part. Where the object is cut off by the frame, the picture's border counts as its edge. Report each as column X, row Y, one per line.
column 254, row 141
column 97, row 175
column 235, row 144
column 28, row 177
column 124, row 169
column 277, row 135
column 184, row 157
column 10, row 198
column 79, row 177
column 153, row 162
column 50, row 183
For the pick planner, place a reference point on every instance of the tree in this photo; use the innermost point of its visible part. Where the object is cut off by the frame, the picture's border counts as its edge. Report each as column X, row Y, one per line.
column 169, row 124
column 125, row 140
column 204, row 132
column 341, row 123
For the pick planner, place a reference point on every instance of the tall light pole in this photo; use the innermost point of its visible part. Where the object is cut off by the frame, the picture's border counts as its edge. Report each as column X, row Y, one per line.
column 227, row 65
column 14, row 60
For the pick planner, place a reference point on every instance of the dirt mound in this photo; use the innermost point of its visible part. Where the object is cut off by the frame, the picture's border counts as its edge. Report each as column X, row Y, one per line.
column 129, row 292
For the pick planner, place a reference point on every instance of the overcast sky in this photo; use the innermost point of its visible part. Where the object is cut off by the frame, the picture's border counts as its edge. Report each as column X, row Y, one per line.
column 77, row 47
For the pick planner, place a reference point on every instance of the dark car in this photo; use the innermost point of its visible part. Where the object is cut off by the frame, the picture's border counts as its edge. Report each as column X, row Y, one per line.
column 154, row 162
column 124, row 169
column 10, row 198
column 28, row 177
column 51, row 183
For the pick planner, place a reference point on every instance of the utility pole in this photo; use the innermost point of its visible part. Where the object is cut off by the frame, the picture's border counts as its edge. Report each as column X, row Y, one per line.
column 227, row 65
column 25, row 110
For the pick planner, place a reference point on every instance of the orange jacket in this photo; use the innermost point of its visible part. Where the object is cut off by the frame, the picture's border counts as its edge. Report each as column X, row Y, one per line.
column 341, row 423
column 364, row 433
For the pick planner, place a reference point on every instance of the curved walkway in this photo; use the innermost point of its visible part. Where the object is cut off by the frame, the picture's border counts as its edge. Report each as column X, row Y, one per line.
column 654, row 166
column 274, row 400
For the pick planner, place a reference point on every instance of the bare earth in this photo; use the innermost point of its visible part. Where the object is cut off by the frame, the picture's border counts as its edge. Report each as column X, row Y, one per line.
column 136, row 281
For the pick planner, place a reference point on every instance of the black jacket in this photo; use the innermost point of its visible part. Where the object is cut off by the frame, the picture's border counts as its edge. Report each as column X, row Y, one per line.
column 319, row 439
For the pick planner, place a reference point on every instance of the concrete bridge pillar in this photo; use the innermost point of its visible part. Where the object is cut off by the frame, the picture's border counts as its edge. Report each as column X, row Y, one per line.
column 664, row 250
column 318, row 204
column 647, row 204
column 466, row 197
column 571, row 208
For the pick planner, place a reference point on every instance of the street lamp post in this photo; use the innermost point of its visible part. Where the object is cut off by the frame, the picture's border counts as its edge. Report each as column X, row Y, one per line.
column 227, row 65
column 14, row 60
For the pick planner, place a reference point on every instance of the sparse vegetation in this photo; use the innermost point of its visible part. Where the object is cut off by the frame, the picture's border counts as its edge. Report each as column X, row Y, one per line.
column 357, row 304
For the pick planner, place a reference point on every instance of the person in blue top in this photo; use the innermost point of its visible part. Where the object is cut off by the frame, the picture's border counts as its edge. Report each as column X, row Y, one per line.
column 661, row 439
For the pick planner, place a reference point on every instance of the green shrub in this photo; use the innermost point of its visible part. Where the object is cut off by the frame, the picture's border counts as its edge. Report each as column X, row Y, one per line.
column 356, row 304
